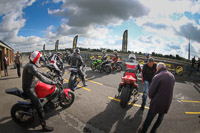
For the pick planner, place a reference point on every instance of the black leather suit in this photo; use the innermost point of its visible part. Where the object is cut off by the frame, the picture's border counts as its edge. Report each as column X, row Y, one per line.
column 76, row 62
column 28, row 85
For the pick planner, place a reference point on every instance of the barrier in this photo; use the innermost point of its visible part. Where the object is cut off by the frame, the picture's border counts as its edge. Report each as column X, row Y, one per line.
column 175, row 68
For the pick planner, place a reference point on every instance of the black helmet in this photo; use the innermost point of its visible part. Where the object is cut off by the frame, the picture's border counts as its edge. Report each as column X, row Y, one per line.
column 77, row 51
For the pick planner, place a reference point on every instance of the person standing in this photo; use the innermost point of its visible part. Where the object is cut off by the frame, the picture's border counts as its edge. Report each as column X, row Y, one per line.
column 198, row 66
column 5, row 61
column 77, row 62
column 161, row 94
column 193, row 62
column 18, row 63
column 148, row 72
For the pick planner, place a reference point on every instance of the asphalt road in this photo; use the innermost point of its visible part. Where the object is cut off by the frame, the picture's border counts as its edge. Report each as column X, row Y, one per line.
column 95, row 110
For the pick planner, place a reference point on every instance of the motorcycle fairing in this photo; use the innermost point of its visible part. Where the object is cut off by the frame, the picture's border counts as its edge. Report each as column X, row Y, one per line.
column 67, row 92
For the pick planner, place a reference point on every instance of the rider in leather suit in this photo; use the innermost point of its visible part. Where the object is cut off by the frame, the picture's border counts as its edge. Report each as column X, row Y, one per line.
column 28, row 84
column 77, row 62
column 115, row 59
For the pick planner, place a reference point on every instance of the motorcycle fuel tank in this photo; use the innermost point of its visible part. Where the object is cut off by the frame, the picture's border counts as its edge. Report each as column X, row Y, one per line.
column 42, row 90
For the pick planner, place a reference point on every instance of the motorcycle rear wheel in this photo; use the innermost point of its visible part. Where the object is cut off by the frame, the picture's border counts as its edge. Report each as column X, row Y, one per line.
column 107, row 69
column 118, row 68
column 125, row 97
column 20, row 118
column 71, row 82
column 67, row 102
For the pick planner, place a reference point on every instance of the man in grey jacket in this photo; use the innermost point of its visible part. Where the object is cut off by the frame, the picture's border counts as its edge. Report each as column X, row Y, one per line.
column 160, row 93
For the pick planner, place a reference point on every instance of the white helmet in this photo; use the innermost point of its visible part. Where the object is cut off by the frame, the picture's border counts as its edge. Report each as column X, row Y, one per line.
column 35, row 58
column 132, row 56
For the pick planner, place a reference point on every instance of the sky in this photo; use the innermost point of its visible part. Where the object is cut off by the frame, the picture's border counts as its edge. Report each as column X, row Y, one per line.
column 161, row 26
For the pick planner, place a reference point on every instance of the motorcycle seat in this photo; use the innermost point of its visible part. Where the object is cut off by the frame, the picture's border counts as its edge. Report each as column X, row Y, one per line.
column 17, row 92
column 73, row 69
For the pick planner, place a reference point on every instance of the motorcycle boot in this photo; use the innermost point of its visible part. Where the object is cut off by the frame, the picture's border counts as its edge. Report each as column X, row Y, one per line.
column 45, row 128
column 84, row 84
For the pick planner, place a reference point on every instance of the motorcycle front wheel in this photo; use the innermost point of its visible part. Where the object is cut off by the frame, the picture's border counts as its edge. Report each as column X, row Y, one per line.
column 125, row 97
column 21, row 116
column 93, row 67
column 67, row 102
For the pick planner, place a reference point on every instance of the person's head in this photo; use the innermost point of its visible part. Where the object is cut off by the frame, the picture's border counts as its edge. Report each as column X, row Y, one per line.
column 36, row 57
column 103, row 52
column 132, row 57
column 18, row 52
column 115, row 52
column 150, row 62
column 160, row 65
column 76, row 51
column 59, row 54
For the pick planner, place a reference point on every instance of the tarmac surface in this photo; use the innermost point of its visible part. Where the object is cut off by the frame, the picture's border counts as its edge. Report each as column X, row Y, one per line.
column 95, row 109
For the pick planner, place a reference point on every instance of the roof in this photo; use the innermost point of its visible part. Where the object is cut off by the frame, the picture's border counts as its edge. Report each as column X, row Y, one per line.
column 5, row 45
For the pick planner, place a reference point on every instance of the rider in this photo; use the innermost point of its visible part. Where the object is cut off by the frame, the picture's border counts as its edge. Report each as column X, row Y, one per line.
column 134, row 65
column 104, row 58
column 115, row 59
column 56, row 60
column 77, row 62
column 28, row 84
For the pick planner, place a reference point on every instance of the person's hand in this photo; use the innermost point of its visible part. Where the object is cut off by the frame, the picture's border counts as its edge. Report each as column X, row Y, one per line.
column 59, row 83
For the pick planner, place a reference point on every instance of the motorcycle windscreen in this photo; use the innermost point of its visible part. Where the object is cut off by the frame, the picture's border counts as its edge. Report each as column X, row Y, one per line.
column 42, row 90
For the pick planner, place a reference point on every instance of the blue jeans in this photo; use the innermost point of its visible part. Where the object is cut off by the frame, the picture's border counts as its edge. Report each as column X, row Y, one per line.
column 148, row 120
column 145, row 93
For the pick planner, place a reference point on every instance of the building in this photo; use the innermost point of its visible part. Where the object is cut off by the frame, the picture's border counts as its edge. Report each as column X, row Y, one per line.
column 5, row 49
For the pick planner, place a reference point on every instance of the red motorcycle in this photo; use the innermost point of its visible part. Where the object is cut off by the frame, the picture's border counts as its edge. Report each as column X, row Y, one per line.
column 128, row 86
column 51, row 96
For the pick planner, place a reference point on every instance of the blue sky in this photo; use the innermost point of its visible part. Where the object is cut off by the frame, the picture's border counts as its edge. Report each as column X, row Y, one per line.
column 153, row 26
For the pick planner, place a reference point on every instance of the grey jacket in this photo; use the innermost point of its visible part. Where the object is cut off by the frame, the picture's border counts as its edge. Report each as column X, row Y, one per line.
column 161, row 91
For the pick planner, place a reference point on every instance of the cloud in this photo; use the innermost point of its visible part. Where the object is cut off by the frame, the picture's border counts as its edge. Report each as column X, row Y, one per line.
column 189, row 30
column 100, row 12
column 155, row 26
column 173, row 45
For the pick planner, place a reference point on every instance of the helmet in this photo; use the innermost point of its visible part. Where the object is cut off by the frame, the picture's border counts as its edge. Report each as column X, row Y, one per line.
column 59, row 53
column 132, row 56
column 115, row 52
column 77, row 51
column 35, row 58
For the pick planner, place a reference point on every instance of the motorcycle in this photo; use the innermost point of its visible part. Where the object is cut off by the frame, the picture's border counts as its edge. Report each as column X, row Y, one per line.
column 74, row 78
column 56, row 65
column 55, row 74
column 128, row 86
column 23, row 113
column 96, row 65
column 117, row 66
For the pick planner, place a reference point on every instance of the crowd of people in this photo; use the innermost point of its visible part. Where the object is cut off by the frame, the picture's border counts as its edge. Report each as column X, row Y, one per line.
column 158, row 85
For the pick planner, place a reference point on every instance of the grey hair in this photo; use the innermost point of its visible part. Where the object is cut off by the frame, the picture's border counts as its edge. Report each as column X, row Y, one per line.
column 161, row 65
